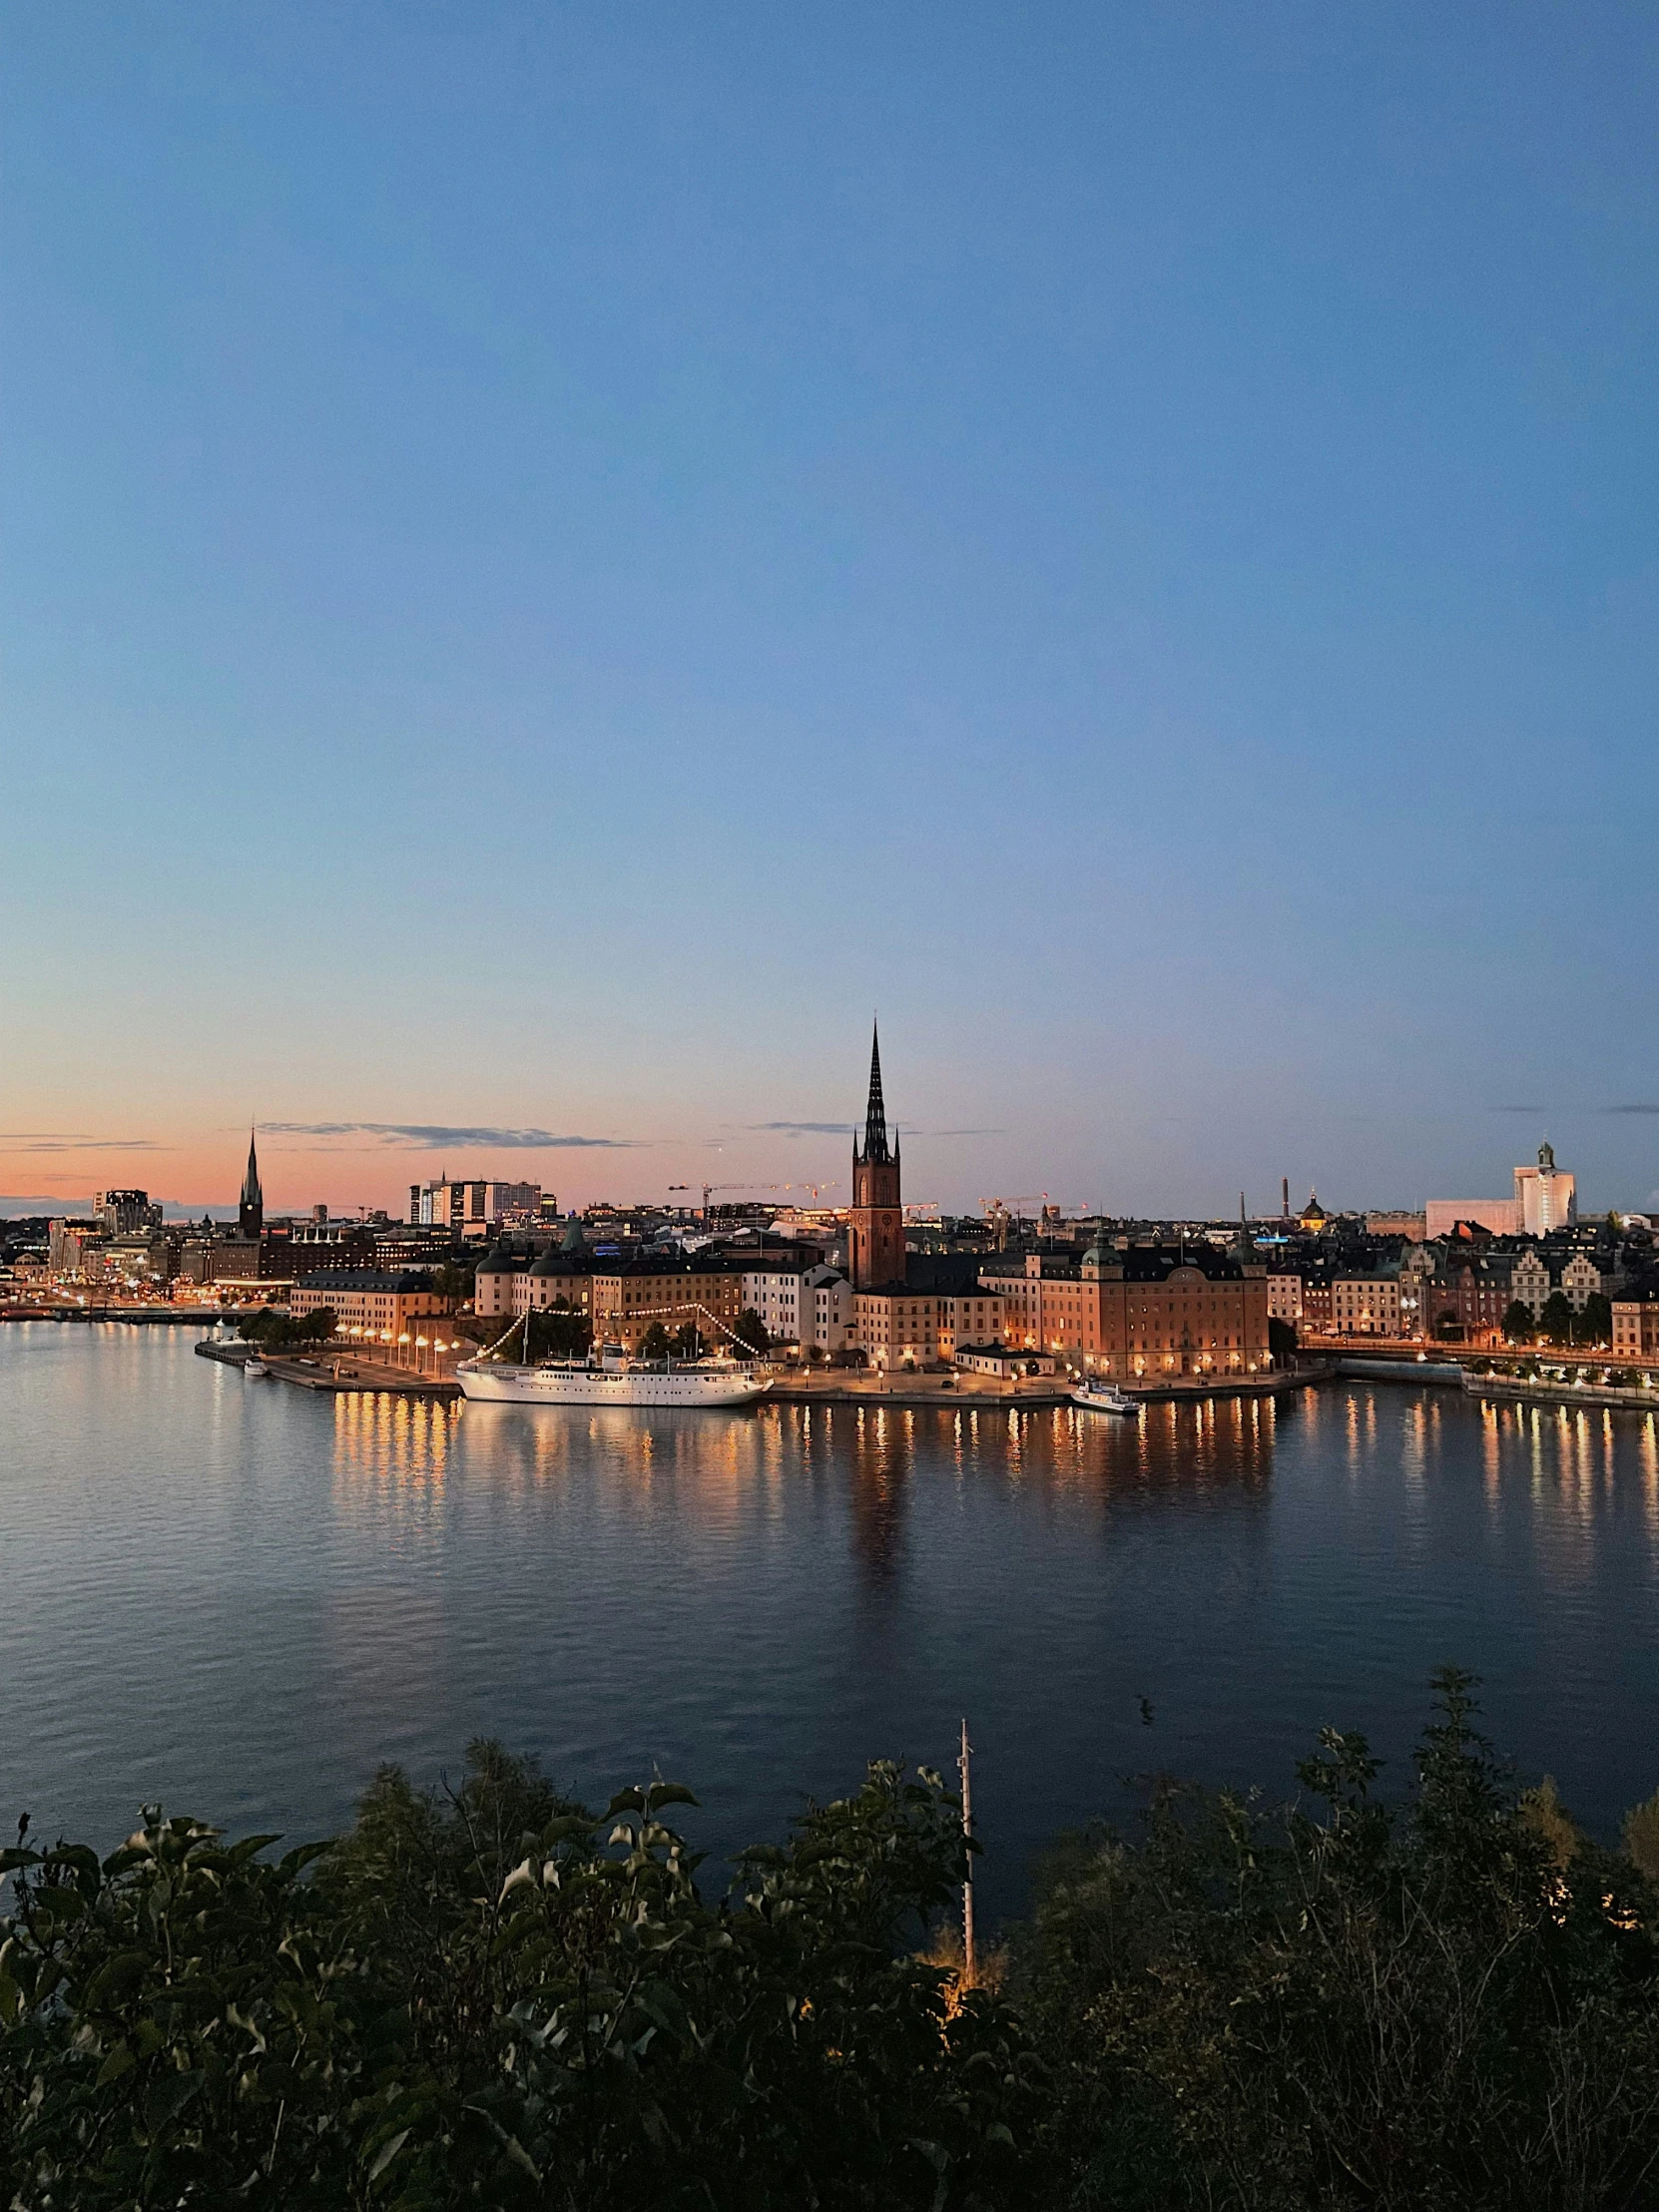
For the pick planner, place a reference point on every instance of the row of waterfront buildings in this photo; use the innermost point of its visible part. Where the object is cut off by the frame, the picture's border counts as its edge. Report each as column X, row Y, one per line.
column 1129, row 1300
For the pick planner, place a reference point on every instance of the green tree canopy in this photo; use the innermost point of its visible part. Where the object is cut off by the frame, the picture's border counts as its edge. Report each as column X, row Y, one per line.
column 1517, row 1322
column 1595, row 1324
column 1556, row 1320
column 750, row 1330
column 455, row 1279
column 556, row 1331
column 655, row 1344
column 1349, row 2003
column 498, row 1999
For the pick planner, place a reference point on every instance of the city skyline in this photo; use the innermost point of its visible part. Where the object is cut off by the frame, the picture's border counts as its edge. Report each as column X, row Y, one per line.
column 553, row 560
column 801, row 1189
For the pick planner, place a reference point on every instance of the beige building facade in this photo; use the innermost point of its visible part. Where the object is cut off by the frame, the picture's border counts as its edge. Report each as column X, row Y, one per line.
column 372, row 1300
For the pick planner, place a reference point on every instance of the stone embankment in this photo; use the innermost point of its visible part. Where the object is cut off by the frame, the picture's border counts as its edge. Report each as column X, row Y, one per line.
column 332, row 1375
column 1514, row 1388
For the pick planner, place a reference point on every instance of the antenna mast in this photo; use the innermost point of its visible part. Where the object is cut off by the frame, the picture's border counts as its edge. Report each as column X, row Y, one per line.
column 969, row 1970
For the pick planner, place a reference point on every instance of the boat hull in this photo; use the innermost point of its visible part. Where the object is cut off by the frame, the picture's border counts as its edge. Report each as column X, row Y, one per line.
column 500, row 1383
column 1099, row 1402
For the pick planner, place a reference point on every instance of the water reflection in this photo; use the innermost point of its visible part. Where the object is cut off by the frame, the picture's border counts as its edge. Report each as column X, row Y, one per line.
column 761, row 1601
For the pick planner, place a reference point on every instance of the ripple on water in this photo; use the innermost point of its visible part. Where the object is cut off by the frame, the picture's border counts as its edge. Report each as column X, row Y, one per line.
column 242, row 1598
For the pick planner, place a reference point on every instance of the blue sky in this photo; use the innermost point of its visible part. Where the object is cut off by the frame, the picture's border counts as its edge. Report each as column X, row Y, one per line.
column 555, row 558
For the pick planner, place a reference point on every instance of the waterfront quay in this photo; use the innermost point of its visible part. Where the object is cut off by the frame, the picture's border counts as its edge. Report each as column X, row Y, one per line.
column 854, row 1387
column 333, row 1373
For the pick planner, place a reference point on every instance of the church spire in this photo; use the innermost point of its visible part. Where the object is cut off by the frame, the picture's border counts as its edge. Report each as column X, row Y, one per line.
column 875, row 1113
column 250, row 1209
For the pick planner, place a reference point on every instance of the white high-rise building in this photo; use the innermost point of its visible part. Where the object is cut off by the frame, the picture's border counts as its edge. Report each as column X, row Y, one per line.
column 1546, row 1195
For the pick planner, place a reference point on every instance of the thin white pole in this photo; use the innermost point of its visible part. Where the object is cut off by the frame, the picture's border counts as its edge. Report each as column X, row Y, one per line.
column 969, row 1971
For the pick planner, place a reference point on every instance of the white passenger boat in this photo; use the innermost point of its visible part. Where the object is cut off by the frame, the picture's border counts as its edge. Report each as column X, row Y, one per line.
column 611, row 1378
column 255, row 1370
column 1102, row 1398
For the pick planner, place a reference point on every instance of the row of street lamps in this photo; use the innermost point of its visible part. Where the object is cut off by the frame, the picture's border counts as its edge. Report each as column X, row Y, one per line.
column 415, row 1345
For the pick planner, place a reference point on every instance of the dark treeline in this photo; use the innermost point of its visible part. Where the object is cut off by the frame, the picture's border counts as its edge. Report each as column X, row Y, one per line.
column 490, row 1997
column 274, row 1330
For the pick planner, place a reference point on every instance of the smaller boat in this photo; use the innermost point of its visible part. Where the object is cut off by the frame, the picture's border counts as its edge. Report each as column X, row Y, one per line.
column 255, row 1370
column 1104, row 1397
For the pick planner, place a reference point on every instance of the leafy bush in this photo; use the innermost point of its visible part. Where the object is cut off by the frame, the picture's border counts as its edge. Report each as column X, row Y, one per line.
column 478, row 2000
column 1449, row 2004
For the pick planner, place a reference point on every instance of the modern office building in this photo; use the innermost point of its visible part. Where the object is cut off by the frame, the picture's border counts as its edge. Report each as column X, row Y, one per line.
column 477, row 1208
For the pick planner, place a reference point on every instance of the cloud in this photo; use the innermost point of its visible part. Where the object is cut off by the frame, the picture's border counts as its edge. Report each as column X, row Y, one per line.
column 806, row 1128
column 1520, row 1109
column 1643, row 1109
column 850, row 1129
column 435, row 1136
column 34, row 1140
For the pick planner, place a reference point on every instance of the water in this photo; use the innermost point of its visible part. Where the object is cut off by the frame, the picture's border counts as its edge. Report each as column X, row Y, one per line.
column 238, row 1597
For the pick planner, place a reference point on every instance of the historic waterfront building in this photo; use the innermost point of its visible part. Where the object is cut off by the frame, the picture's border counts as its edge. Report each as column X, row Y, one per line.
column 875, row 1232
column 1136, row 1312
column 374, row 1301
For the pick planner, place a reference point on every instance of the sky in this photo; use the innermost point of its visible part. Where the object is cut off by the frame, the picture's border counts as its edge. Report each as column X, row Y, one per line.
column 556, row 559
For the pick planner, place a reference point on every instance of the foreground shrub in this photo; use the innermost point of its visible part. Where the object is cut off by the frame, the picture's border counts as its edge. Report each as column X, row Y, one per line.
column 495, row 1999
column 1449, row 2005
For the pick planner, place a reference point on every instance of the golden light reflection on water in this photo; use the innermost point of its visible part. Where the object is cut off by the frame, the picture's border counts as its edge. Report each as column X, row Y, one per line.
column 395, row 1458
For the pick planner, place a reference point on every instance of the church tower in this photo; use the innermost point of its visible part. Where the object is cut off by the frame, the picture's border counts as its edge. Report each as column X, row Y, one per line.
column 251, row 1206
column 875, row 1241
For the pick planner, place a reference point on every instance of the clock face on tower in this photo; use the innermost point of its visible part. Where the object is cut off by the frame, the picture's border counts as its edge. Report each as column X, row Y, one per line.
column 876, row 1242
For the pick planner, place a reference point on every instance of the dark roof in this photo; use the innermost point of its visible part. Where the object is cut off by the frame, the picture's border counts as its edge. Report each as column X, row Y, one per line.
column 950, row 1274
column 368, row 1279
column 1133, row 1263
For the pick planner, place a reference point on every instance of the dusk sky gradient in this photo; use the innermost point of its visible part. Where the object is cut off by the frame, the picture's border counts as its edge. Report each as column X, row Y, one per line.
column 555, row 558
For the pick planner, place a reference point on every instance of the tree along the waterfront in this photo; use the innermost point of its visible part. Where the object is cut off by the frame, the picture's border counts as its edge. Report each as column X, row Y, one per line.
column 556, row 1331
column 751, row 1332
column 1518, row 1325
column 1594, row 1325
column 496, row 1999
column 1452, row 2004
column 275, row 1331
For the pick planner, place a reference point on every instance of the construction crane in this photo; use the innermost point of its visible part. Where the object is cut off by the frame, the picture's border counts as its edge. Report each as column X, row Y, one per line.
column 999, row 1212
column 708, row 1187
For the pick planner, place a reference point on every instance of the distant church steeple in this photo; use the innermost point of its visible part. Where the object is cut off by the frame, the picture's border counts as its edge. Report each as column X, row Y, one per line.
column 875, row 1113
column 250, row 1208
column 876, row 1236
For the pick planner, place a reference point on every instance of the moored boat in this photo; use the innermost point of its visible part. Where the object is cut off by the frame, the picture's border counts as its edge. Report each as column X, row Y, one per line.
column 255, row 1370
column 1104, row 1397
column 611, row 1378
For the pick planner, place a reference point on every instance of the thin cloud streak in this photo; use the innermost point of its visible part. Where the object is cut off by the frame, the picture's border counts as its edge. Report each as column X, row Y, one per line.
column 1640, row 1109
column 34, row 1140
column 805, row 1128
column 434, row 1136
column 852, row 1128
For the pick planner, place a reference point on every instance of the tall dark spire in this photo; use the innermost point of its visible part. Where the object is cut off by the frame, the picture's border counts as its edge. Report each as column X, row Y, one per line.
column 250, row 1209
column 876, row 1114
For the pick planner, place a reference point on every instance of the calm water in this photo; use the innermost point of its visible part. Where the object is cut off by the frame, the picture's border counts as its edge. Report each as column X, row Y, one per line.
column 239, row 1598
